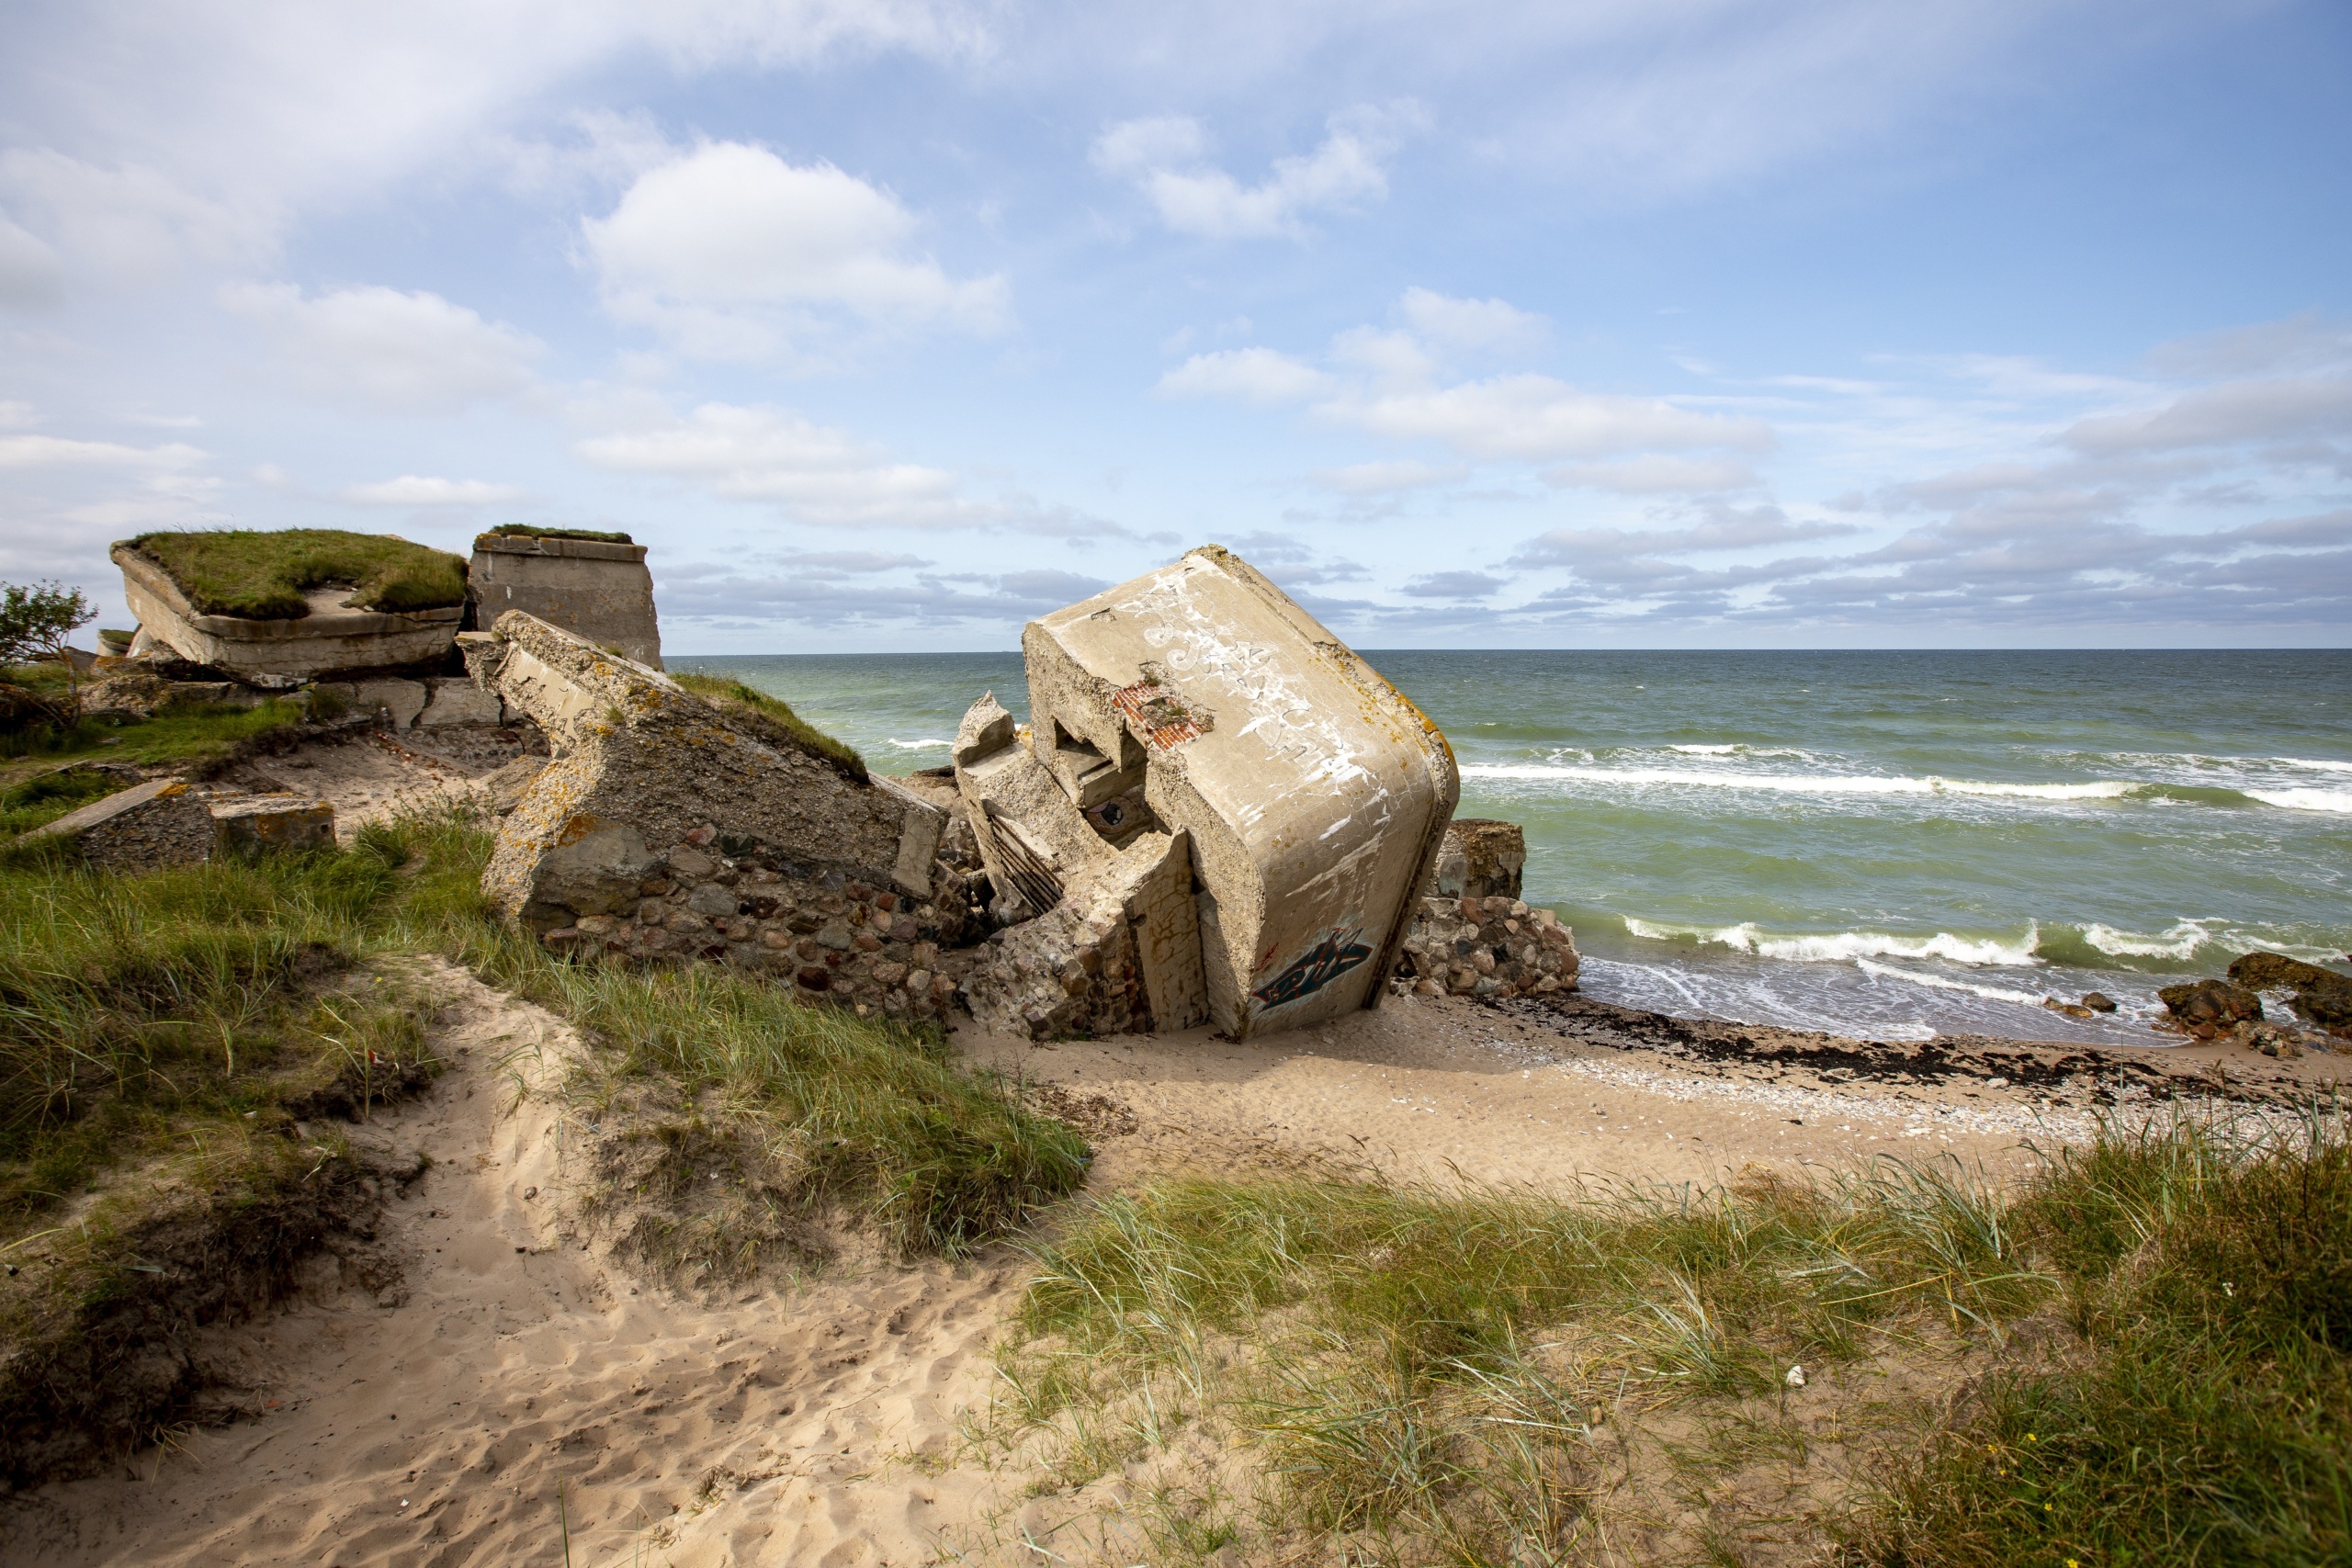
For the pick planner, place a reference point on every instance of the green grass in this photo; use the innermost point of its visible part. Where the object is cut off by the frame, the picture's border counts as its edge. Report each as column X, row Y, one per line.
column 45, row 797
column 2200, row 1411
column 1429, row 1366
column 191, row 734
column 135, row 1008
column 773, row 719
column 263, row 575
column 526, row 531
column 130, row 1005
column 2146, row 1351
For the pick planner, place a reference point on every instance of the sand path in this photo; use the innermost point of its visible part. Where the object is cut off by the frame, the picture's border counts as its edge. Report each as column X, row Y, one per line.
column 439, row 1430
column 524, row 1383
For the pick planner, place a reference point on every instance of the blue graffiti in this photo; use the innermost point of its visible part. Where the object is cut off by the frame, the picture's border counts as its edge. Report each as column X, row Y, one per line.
column 1318, row 967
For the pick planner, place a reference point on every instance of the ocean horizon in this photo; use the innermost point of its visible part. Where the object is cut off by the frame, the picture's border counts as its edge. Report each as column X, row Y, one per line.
column 1891, row 844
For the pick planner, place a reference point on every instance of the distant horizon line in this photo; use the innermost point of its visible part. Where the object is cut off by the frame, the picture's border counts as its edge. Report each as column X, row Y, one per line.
column 1015, row 653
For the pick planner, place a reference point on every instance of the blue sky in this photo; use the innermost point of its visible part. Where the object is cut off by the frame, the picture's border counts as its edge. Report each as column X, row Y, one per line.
column 1669, row 323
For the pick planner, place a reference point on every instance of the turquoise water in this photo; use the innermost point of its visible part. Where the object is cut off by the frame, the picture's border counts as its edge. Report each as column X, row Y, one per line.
column 1891, row 844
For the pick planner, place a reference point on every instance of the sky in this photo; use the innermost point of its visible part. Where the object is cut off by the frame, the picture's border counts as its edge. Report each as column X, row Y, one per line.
column 888, row 324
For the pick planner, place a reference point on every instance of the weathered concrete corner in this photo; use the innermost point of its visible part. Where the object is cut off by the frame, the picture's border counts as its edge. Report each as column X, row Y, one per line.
column 640, row 764
column 1200, row 702
column 597, row 588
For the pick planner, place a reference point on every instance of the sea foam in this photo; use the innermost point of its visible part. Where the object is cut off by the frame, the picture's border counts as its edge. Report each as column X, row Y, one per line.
column 1839, row 947
column 1801, row 783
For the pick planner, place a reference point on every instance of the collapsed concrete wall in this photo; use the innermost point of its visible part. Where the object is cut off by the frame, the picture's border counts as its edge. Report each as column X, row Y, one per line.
column 1200, row 706
column 596, row 588
column 664, row 828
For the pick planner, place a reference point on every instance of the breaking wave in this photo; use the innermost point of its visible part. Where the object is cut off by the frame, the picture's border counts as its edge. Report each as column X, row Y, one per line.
column 1801, row 783
column 1923, row 786
column 2305, row 799
column 1840, row 947
column 921, row 745
column 1941, row 983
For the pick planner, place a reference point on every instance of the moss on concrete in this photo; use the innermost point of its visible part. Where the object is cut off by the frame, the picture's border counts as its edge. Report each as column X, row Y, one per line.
column 263, row 576
column 527, row 531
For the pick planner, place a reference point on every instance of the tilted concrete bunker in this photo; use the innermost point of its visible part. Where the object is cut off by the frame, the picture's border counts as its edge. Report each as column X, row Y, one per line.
column 1196, row 726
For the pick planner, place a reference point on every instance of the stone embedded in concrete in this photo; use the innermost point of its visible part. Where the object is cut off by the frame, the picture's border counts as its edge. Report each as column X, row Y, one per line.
column 1480, row 859
column 680, row 786
column 1489, row 946
column 456, row 700
column 255, row 824
column 158, row 823
column 1313, row 793
column 599, row 589
column 333, row 636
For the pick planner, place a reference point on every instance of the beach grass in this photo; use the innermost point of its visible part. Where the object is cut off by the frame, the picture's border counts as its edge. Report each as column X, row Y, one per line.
column 130, row 1003
column 2137, row 1356
column 262, row 575
column 773, row 718
column 193, row 736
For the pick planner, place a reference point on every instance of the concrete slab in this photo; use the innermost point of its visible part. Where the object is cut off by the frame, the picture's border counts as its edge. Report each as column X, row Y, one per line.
column 332, row 637
column 154, row 824
column 255, row 824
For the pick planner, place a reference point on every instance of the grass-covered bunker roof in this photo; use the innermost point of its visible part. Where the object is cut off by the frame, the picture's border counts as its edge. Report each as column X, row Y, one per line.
column 263, row 576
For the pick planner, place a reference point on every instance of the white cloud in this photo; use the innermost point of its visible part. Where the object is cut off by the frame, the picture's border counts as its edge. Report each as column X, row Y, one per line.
column 32, row 451
column 737, row 254
column 1166, row 158
column 1258, row 376
column 1388, row 478
column 2222, row 415
column 1726, row 528
column 387, row 351
column 127, row 224
column 1655, row 476
column 1486, row 325
column 414, row 489
column 817, row 474
column 1455, row 585
column 30, row 273
column 2303, row 341
column 1537, row 418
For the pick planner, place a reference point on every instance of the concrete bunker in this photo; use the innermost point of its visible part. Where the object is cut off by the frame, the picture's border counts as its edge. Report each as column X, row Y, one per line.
column 594, row 584
column 1195, row 728
column 286, row 607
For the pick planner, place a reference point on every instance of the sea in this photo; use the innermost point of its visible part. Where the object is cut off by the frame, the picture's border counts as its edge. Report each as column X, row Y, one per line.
column 1893, row 845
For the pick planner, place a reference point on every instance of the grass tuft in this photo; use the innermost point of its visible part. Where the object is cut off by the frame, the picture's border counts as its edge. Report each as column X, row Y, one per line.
column 262, row 575
column 773, row 719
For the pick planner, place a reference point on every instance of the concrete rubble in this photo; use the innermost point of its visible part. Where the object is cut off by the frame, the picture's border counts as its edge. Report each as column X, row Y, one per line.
column 1487, row 946
column 166, row 821
column 159, row 823
column 1480, row 859
column 664, row 827
column 257, row 824
column 1195, row 725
